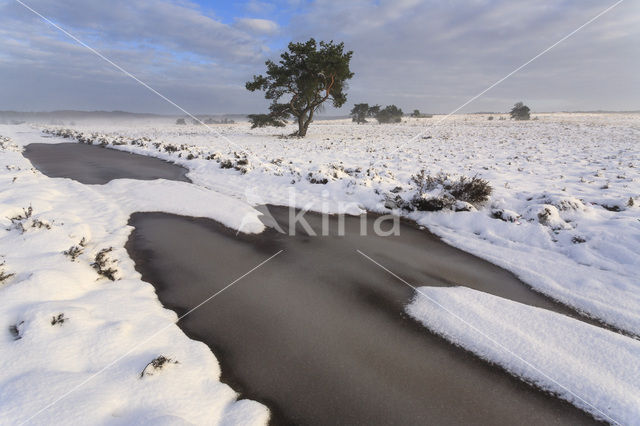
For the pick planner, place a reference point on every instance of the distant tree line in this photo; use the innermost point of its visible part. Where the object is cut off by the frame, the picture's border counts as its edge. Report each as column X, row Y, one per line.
column 417, row 114
column 206, row 120
column 388, row 114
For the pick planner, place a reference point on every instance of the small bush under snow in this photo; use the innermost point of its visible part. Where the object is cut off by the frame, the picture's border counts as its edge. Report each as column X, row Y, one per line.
column 105, row 265
column 156, row 365
column 546, row 215
column 438, row 192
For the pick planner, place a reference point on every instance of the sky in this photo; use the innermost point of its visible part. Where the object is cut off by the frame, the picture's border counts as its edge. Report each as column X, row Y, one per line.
column 431, row 55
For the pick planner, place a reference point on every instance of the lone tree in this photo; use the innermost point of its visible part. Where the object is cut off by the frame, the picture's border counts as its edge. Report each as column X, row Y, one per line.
column 416, row 113
column 390, row 114
column 307, row 75
column 359, row 113
column 520, row 112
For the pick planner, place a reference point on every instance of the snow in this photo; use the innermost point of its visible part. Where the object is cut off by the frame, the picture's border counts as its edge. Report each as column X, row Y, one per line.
column 593, row 368
column 104, row 338
column 564, row 216
column 184, row 199
column 557, row 181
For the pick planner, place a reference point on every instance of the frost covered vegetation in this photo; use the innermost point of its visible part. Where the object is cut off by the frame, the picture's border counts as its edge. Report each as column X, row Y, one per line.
column 555, row 200
column 157, row 364
column 105, row 265
column 434, row 193
column 4, row 275
column 76, row 250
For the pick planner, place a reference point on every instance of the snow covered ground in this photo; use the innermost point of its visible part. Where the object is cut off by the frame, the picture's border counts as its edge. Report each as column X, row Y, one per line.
column 64, row 323
column 564, row 216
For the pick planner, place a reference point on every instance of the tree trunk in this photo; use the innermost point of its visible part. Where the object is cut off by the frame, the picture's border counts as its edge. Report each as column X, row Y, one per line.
column 302, row 126
column 303, row 123
column 309, row 120
column 304, row 120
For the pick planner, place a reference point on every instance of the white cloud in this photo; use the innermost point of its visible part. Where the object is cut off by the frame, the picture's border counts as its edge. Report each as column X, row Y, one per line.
column 181, row 26
column 257, row 26
column 192, row 58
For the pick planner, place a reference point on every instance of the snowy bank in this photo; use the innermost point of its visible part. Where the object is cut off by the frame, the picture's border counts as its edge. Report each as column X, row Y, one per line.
column 594, row 369
column 76, row 342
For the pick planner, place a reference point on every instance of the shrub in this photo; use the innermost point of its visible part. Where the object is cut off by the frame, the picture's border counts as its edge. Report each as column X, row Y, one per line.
column 181, row 121
column 4, row 275
column 390, row 114
column 320, row 180
column 439, row 191
column 226, row 164
column 520, row 112
column 156, row 364
column 75, row 251
column 373, row 111
column 431, row 204
column 103, row 264
column 60, row 319
column 359, row 113
column 18, row 221
column 473, row 190
column 15, row 330
column 26, row 214
column 264, row 120
column 504, row 215
column 37, row 223
column 577, row 239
